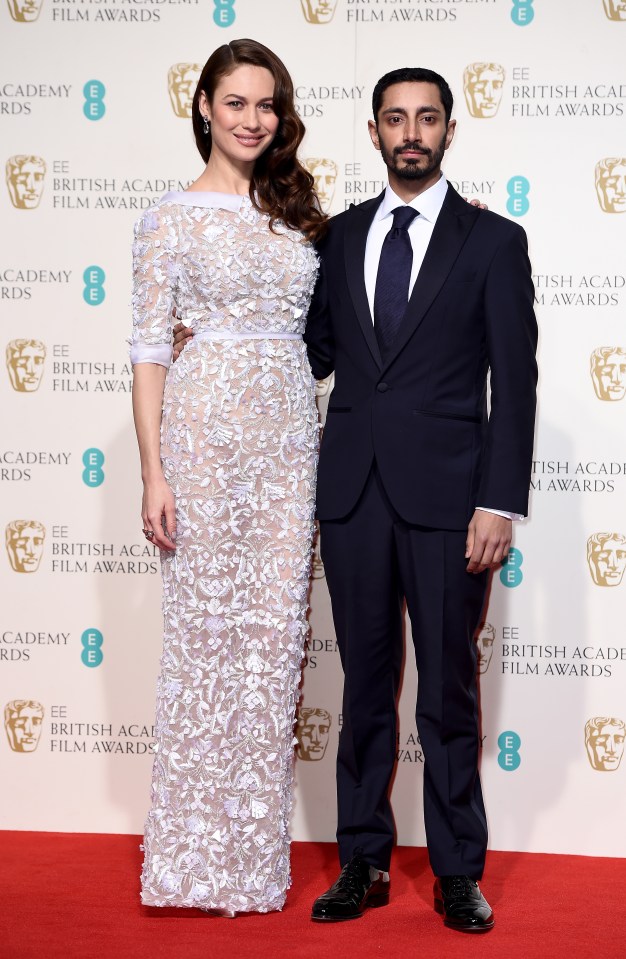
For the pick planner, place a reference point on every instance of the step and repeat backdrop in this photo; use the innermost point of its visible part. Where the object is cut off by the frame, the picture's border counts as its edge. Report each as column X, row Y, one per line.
column 94, row 104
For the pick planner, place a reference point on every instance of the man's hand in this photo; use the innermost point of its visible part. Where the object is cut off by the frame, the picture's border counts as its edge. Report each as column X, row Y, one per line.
column 181, row 336
column 488, row 540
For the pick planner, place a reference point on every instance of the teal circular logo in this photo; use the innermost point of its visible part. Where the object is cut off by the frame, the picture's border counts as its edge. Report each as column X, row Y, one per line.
column 518, row 188
column 93, row 292
column 522, row 13
column 94, row 107
column 511, row 574
column 93, row 474
column 509, row 745
column 91, row 641
column 224, row 15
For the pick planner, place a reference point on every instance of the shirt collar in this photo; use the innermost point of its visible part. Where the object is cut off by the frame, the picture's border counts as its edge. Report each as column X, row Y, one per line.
column 428, row 203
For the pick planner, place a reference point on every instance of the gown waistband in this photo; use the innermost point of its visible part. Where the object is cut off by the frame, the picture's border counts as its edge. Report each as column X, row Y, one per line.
column 233, row 335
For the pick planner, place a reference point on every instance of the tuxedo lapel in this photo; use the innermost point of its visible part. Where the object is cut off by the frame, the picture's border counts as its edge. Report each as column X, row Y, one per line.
column 454, row 224
column 357, row 228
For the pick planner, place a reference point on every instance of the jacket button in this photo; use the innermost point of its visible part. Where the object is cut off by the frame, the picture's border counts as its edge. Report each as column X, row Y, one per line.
column 382, row 387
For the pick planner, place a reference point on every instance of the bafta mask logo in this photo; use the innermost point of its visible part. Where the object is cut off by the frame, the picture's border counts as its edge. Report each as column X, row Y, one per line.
column 182, row 80
column 25, row 179
column 24, row 541
column 23, row 720
column 608, row 372
column 604, row 741
column 312, row 732
column 485, row 638
column 318, row 11
column 317, row 566
column 25, row 11
column 611, row 184
column 324, row 173
column 482, row 85
column 615, row 9
column 25, row 363
column 606, row 555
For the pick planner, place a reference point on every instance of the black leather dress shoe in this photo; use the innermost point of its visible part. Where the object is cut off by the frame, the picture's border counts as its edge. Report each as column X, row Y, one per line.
column 462, row 904
column 353, row 892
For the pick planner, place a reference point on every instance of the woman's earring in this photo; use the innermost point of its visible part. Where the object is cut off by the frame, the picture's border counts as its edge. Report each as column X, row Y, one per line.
column 207, row 125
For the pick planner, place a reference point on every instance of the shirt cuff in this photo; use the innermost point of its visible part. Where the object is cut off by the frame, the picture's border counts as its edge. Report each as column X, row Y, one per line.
column 502, row 512
column 160, row 354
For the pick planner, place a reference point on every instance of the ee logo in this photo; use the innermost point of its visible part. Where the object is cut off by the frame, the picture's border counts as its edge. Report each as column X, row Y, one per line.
column 93, row 474
column 92, row 640
column 511, row 575
column 224, row 15
column 522, row 13
column 93, row 292
column 509, row 757
column 94, row 107
column 518, row 188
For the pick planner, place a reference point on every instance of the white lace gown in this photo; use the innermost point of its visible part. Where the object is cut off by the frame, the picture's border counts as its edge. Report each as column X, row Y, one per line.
column 238, row 447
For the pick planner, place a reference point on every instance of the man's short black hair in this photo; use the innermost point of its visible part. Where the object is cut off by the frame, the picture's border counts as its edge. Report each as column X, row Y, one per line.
column 412, row 75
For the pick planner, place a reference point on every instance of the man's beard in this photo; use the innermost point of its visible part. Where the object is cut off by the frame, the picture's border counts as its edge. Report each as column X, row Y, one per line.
column 411, row 170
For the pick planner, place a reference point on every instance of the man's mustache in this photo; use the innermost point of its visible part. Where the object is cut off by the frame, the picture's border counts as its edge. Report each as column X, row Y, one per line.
column 412, row 146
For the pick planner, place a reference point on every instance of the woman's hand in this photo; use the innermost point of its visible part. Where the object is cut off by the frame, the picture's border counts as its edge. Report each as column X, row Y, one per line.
column 182, row 334
column 158, row 511
column 478, row 203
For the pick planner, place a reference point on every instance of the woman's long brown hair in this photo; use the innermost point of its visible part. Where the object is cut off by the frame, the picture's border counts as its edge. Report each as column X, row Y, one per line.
column 280, row 185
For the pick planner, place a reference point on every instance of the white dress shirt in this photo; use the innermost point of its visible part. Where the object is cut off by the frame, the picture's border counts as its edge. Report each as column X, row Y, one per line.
column 420, row 230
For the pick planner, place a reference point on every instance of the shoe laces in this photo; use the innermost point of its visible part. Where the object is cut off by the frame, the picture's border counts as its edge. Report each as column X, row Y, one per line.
column 352, row 877
column 458, row 886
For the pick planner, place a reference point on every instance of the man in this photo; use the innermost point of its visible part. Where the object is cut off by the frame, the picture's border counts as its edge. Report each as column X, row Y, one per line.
column 413, row 483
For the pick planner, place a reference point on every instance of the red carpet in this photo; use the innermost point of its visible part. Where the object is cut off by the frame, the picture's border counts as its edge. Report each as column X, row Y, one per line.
column 76, row 896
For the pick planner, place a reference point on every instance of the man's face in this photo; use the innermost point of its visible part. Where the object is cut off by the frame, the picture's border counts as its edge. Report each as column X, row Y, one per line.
column 607, row 747
column 484, row 92
column 313, row 737
column 26, row 368
column 325, row 177
column 411, row 131
column 615, row 9
column 612, row 185
column 609, row 562
column 25, row 549
column 610, row 375
column 26, row 184
column 318, row 11
column 23, row 729
column 24, row 11
column 484, row 647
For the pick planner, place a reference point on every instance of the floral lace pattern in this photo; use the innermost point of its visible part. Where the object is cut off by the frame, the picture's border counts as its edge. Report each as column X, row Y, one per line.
column 239, row 446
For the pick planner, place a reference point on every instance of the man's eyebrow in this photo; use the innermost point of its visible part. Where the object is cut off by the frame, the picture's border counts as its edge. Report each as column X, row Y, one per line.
column 425, row 109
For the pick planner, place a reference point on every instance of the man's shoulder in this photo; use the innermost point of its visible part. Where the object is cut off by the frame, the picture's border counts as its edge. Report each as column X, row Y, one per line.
column 498, row 226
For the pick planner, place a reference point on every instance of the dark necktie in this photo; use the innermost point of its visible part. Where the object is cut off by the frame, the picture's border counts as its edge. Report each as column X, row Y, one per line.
column 392, row 280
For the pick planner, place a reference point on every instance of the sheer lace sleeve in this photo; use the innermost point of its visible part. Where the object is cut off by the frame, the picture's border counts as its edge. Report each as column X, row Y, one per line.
column 154, row 287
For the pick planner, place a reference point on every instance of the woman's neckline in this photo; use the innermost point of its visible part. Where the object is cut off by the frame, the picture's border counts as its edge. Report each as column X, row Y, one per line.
column 208, row 198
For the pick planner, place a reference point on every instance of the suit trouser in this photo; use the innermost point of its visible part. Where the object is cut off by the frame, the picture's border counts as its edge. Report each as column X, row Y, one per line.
column 373, row 561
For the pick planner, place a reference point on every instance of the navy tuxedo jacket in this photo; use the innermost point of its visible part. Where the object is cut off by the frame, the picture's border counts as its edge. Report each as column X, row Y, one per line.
column 422, row 413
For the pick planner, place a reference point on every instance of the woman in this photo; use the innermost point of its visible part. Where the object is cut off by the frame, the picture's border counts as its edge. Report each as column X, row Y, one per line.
column 229, row 487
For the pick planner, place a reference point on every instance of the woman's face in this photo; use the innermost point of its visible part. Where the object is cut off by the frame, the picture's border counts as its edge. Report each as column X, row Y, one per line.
column 243, row 122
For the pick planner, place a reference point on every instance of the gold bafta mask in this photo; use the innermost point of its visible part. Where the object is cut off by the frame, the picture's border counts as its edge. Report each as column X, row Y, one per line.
column 324, row 173
column 312, row 732
column 608, row 372
column 615, row 9
column 606, row 556
column 604, row 741
column 24, row 542
column 23, row 719
column 24, row 11
column 485, row 638
column 25, row 363
column 482, row 85
column 25, row 179
column 318, row 11
column 317, row 566
column 182, row 80
column 611, row 184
